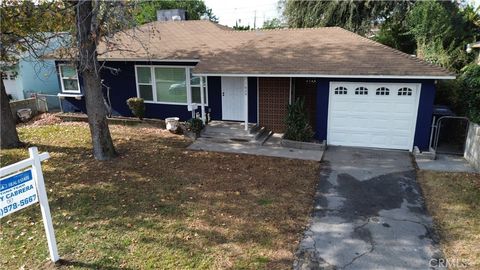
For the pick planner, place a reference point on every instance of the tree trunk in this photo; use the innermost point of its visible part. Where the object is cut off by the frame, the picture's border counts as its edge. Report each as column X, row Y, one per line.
column 103, row 148
column 89, row 70
column 9, row 136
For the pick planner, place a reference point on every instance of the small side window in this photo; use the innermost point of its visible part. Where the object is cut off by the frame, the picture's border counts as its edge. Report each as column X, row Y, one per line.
column 69, row 79
column 382, row 91
column 361, row 91
column 341, row 90
column 405, row 91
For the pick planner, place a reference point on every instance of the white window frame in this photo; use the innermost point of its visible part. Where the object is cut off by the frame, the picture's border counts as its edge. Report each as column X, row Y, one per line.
column 205, row 82
column 405, row 91
column 361, row 91
column 341, row 90
column 137, row 84
column 382, row 91
column 154, row 85
column 60, row 72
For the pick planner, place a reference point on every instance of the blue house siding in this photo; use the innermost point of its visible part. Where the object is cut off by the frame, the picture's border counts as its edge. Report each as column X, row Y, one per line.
column 322, row 108
column 37, row 76
column 215, row 97
column 252, row 99
column 424, row 116
column 425, row 109
column 123, row 86
column 70, row 104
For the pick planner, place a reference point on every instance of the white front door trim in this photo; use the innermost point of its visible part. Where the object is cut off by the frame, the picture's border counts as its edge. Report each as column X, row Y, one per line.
column 372, row 107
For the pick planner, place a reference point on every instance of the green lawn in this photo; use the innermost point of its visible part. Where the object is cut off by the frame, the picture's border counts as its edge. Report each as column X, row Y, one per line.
column 158, row 205
column 453, row 199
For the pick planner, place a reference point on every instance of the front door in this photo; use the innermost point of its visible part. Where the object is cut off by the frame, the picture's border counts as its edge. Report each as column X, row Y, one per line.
column 233, row 100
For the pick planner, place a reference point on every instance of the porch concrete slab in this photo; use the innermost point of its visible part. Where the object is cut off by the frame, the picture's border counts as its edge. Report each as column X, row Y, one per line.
column 445, row 163
column 253, row 149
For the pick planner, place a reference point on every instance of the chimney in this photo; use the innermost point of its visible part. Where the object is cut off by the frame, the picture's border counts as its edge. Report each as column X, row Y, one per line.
column 170, row 15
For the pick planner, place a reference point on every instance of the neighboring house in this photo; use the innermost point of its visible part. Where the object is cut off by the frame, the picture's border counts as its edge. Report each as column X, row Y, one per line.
column 31, row 75
column 358, row 92
column 9, row 78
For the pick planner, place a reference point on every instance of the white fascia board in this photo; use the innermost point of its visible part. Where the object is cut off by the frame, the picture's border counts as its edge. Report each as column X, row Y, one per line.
column 128, row 60
column 330, row 76
column 147, row 60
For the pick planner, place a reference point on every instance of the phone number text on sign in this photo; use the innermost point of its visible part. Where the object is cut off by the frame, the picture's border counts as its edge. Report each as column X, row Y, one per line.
column 17, row 192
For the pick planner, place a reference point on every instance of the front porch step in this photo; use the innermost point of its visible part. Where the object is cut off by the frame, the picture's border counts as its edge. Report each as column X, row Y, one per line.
column 235, row 133
column 254, row 129
column 263, row 136
column 261, row 131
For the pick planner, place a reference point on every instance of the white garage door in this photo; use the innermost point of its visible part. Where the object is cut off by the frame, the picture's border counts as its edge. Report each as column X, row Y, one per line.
column 380, row 115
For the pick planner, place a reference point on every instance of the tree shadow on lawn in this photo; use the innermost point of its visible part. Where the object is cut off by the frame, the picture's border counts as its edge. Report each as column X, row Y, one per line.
column 77, row 264
column 161, row 194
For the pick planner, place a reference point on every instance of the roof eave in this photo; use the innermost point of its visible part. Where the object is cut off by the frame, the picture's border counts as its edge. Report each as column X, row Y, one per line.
column 148, row 59
column 418, row 77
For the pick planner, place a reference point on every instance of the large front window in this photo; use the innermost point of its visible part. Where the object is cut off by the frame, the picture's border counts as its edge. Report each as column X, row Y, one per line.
column 167, row 84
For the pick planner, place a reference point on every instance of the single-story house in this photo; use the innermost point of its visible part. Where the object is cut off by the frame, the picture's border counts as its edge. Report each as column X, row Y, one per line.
column 358, row 92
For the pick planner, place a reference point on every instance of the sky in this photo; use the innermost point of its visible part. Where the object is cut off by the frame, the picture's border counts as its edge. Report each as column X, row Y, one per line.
column 228, row 11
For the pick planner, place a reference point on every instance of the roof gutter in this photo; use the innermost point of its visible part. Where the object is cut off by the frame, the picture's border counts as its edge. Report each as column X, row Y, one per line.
column 446, row 77
column 48, row 57
column 147, row 60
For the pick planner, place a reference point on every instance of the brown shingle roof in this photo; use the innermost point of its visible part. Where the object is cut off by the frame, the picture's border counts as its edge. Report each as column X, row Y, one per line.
column 306, row 51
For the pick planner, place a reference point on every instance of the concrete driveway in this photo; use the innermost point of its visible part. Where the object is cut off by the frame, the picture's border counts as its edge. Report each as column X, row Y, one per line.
column 369, row 214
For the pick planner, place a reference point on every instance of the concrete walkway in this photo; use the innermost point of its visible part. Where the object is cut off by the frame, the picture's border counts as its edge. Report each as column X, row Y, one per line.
column 369, row 214
column 269, row 149
column 231, row 137
column 445, row 163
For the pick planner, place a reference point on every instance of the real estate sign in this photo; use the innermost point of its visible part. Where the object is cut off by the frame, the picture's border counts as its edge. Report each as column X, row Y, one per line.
column 23, row 185
column 17, row 192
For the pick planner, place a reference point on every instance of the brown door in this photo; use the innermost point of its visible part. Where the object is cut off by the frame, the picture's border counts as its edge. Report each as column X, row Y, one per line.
column 273, row 99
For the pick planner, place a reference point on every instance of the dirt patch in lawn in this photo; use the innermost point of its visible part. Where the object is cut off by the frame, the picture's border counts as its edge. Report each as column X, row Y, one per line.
column 453, row 200
column 158, row 205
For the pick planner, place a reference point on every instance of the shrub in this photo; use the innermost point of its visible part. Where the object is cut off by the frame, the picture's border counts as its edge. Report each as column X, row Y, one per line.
column 298, row 127
column 195, row 125
column 471, row 80
column 462, row 95
column 137, row 106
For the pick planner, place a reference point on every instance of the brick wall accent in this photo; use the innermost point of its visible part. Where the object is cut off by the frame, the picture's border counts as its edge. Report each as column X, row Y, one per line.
column 307, row 88
column 273, row 98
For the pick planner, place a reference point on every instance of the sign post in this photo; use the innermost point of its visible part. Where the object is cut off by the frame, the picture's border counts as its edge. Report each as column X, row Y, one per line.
column 25, row 188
